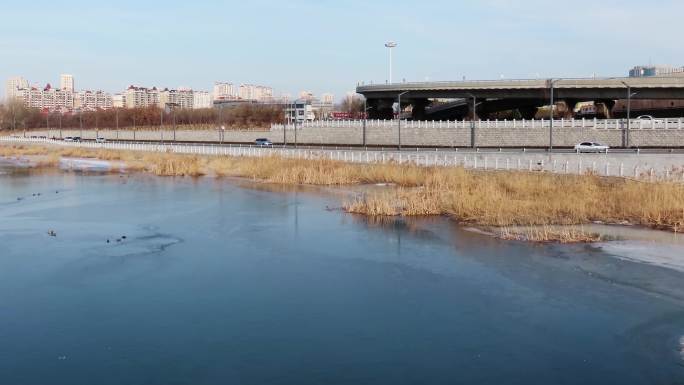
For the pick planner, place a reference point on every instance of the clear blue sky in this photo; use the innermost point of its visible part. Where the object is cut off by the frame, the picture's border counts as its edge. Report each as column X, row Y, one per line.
column 327, row 45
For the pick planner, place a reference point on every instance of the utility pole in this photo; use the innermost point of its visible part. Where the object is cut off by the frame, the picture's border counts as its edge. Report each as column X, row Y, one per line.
column 116, row 113
column 551, row 84
column 399, row 120
column 472, row 121
column 629, row 111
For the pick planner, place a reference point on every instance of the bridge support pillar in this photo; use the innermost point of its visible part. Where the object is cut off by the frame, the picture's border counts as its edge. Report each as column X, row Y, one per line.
column 605, row 108
column 380, row 108
column 419, row 109
column 528, row 112
column 570, row 107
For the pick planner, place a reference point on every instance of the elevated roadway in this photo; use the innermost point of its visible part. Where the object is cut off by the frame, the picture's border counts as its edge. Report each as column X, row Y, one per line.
column 524, row 95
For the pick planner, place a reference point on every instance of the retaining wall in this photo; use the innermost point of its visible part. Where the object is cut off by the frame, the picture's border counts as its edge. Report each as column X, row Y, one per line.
column 410, row 136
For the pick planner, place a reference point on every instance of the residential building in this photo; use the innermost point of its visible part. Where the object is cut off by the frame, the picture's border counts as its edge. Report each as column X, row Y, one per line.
column 201, row 99
column 118, row 101
column 47, row 98
column 66, row 82
column 92, row 100
column 255, row 92
column 180, row 98
column 139, row 97
column 13, row 85
column 224, row 91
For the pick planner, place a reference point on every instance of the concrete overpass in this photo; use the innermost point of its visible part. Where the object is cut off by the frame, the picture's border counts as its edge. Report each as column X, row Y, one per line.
column 524, row 95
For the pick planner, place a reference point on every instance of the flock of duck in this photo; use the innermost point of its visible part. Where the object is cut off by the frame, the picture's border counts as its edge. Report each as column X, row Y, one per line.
column 53, row 233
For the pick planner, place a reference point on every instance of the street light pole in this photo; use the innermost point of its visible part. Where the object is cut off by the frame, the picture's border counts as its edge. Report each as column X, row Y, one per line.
column 399, row 120
column 390, row 45
column 472, row 121
column 629, row 110
column 551, row 83
column 295, row 123
column 116, row 114
column 365, row 112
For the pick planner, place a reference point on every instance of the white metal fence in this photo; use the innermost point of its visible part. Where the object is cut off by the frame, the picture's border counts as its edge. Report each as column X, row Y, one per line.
column 628, row 165
column 599, row 124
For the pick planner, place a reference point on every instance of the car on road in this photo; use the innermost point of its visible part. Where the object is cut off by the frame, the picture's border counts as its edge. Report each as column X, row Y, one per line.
column 591, row 147
column 263, row 142
column 68, row 139
column 76, row 139
column 100, row 140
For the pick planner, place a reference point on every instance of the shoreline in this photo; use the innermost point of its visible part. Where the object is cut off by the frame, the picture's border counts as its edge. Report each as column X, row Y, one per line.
column 370, row 190
column 635, row 243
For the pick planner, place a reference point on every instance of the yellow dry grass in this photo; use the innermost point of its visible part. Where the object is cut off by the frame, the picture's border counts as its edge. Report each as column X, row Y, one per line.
column 483, row 198
column 546, row 233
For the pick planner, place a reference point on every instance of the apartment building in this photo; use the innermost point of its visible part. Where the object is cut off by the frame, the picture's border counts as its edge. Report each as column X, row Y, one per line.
column 201, row 99
column 180, row 98
column 255, row 92
column 92, row 100
column 224, row 91
column 47, row 98
column 66, row 82
column 137, row 97
column 13, row 85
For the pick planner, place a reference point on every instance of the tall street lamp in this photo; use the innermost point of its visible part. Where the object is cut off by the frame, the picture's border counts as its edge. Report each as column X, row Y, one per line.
column 116, row 114
column 365, row 118
column 629, row 110
column 390, row 45
column 295, row 109
column 472, row 121
column 552, row 82
column 399, row 120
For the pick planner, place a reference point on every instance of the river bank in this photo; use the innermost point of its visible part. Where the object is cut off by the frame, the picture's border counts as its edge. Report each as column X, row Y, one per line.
column 493, row 199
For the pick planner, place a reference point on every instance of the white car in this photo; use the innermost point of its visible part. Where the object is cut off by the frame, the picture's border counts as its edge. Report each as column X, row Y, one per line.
column 591, row 147
column 100, row 140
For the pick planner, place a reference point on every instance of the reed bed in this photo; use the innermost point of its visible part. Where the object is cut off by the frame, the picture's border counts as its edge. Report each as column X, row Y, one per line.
column 482, row 198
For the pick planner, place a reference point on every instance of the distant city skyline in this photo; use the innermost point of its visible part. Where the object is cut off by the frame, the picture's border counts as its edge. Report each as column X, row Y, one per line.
column 327, row 46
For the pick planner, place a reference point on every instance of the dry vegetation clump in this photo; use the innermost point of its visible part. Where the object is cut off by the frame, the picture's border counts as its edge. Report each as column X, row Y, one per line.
column 548, row 234
column 505, row 199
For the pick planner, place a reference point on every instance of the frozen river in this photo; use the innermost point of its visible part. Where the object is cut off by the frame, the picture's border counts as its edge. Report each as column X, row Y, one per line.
column 231, row 283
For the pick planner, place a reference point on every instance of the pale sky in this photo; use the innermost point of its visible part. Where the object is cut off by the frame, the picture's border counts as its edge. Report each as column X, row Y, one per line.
column 329, row 46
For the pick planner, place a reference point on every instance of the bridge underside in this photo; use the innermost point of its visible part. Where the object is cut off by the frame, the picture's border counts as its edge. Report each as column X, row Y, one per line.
column 658, row 96
column 459, row 109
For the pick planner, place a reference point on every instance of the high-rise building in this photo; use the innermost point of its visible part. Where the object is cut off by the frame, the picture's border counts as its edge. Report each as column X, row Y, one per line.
column 118, row 101
column 14, row 84
column 66, row 82
column 47, row 98
column 93, row 100
column 201, row 99
column 224, row 91
column 137, row 97
column 255, row 92
column 180, row 98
